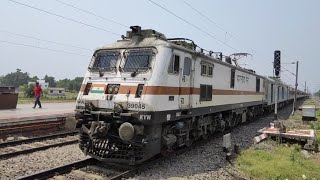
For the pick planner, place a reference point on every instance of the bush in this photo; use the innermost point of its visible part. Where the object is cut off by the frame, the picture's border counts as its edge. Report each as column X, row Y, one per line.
column 28, row 91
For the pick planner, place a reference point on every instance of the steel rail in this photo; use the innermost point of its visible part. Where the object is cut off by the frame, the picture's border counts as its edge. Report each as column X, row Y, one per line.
column 59, row 170
column 27, row 151
column 135, row 169
column 79, row 164
column 17, row 142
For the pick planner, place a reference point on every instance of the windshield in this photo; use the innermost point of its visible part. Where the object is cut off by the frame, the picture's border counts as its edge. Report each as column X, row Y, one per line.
column 105, row 61
column 138, row 60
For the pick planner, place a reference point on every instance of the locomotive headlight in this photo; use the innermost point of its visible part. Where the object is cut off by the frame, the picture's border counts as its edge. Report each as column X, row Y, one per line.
column 126, row 131
column 112, row 88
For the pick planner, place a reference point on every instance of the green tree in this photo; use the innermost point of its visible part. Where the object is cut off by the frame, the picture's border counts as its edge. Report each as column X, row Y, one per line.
column 1, row 79
column 77, row 83
column 71, row 85
column 34, row 79
column 15, row 78
column 64, row 83
column 28, row 90
column 51, row 80
column 317, row 93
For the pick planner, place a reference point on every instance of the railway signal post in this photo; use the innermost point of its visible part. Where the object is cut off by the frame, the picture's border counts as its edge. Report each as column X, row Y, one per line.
column 277, row 69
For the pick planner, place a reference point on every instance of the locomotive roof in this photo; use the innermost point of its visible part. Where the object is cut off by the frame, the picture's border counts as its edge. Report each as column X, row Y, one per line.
column 151, row 38
column 129, row 43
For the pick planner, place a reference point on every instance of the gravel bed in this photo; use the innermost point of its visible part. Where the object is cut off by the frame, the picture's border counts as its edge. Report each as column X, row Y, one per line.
column 28, row 164
column 207, row 161
column 98, row 171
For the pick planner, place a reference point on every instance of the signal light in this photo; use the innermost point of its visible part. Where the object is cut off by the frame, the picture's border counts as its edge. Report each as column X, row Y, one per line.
column 277, row 62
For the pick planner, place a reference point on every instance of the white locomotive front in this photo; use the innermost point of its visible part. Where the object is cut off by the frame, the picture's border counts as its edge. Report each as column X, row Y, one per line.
column 146, row 94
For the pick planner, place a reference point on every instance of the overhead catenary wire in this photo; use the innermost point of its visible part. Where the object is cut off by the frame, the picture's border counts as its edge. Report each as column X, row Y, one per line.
column 188, row 22
column 64, row 17
column 44, row 40
column 43, row 48
column 184, row 20
column 216, row 24
column 289, row 80
column 91, row 13
column 288, row 71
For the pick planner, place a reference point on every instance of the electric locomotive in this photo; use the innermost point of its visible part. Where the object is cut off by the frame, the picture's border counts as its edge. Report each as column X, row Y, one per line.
column 147, row 94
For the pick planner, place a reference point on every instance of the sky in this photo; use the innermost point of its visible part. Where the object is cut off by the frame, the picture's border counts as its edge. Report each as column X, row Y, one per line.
column 229, row 26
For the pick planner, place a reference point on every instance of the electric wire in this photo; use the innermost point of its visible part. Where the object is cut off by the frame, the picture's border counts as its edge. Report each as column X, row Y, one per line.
column 216, row 24
column 63, row 17
column 98, row 28
column 44, row 40
column 196, row 27
column 43, row 48
column 91, row 13
column 288, row 71
column 162, row 7
column 288, row 80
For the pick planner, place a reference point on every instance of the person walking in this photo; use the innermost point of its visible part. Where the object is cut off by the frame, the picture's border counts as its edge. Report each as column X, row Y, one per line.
column 37, row 93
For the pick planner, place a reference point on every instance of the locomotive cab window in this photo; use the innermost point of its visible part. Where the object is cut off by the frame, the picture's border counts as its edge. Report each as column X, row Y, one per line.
column 210, row 71
column 205, row 92
column 187, row 66
column 233, row 74
column 271, row 94
column 258, row 84
column 105, row 61
column 174, row 64
column 138, row 60
column 206, row 69
column 203, row 69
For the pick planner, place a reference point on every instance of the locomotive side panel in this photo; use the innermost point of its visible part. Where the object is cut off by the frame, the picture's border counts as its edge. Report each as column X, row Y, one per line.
column 229, row 85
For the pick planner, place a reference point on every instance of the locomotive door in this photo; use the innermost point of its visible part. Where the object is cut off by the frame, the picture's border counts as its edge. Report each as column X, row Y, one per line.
column 185, row 82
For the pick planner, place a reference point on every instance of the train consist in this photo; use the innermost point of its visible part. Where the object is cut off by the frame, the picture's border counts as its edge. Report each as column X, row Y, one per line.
column 146, row 94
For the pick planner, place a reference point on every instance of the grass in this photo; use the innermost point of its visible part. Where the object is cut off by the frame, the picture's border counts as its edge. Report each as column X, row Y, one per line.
column 281, row 162
column 309, row 102
column 297, row 116
column 316, row 127
column 69, row 97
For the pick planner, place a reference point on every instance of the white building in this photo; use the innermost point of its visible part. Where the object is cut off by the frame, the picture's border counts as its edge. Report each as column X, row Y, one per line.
column 56, row 91
column 42, row 83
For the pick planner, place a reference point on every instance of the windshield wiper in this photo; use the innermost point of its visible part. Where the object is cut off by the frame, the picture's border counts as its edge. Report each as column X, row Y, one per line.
column 135, row 72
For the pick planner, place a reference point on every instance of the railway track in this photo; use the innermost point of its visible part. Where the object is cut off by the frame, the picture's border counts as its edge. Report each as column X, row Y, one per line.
column 39, row 125
column 89, row 168
column 92, row 169
column 14, row 148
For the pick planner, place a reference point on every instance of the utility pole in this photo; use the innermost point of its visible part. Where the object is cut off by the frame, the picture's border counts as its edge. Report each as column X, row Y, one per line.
column 295, row 90
column 305, row 86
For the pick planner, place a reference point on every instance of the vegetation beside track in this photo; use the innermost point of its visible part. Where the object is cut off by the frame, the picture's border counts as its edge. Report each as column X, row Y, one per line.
column 68, row 97
column 279, row 162
column 270, row 160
